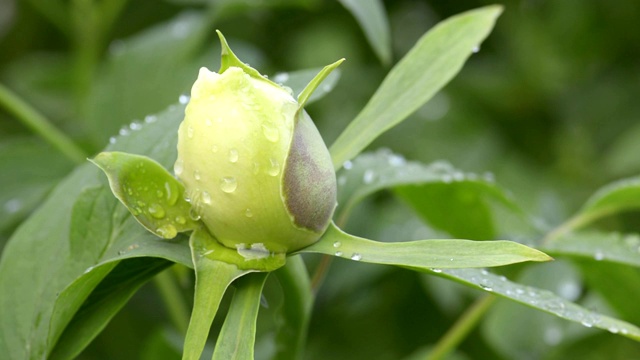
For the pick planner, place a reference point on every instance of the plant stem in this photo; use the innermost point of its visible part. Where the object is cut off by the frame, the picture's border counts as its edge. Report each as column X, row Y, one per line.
column 171, row 294
column 462, row 327
column 40, row 125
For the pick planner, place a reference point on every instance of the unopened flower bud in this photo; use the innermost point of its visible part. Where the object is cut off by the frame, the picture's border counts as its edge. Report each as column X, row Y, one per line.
column 253, row 164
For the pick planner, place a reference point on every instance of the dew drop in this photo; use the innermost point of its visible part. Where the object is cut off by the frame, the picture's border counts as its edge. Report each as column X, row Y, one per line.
column 123, row 131
column 338, row 253
column 356, row 257
column 167, row 231
column 183, row 99
column 159, row 193
column 207, row 122
column 135, row 126
column 337, row 244
column 189, row 132
column 233, row 155
column 228, row 184
column 248, row 213
column 214, row 148
column 156, row 211
column 193, row 214
column 112, row 140
column 475, row 49
column 178, row 167
column 270, row 132
column 274, row 167
column 397, row 160
column 598, row 255
column 181, row 220
column 436, row 270
column 12, row 206
column 614, row 330
column 196, row 175
column 348, row 165
column 150, row 119
column 206, row 198
column 368, row 176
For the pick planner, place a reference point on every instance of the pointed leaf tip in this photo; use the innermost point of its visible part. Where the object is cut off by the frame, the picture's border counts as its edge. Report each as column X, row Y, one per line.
column 315, row 82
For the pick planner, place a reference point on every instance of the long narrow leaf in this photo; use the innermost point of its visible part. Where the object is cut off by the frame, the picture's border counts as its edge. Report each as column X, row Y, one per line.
column 424, row 254
column 539, row 299
column 431, row 64
column 238, row 335
column 212, row 279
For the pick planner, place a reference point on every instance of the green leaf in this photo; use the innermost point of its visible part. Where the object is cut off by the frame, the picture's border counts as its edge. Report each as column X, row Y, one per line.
column 145, row 73
column 298, row 80
column 308, row 91
column 598, row 246
column 238, row 335
column 539, row 299
column 449, row 199
column 103, row 303
column 433, row 61
column 372, row 18
column 424, row 254
column 151, row 194
column 295, row 312
column 28, row 171
column 619, row 196
column 212, row 279
column 38, row 263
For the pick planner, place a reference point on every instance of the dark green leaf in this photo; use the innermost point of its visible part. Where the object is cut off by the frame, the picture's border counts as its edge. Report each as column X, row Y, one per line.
column 103, row 303
column 28, row 171
column 295, row 312
column 151, row 194
column 37, row 264
column 449, row 199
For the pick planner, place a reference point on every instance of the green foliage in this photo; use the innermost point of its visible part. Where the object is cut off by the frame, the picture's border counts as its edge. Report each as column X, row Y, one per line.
column 540, row 121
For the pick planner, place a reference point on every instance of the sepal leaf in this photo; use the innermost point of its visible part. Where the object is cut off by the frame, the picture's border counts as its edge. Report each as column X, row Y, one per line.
column 152, row 195
column 425, row 254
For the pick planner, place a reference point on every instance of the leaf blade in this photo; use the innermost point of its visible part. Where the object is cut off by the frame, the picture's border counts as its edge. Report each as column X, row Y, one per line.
column 238, row 335
column 372, row 18
column 444, row 49
column 424, row 254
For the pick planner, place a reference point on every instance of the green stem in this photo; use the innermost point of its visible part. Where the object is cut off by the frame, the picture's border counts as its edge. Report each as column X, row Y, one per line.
column 172, row 296
column 461, row 328
column 40, row 125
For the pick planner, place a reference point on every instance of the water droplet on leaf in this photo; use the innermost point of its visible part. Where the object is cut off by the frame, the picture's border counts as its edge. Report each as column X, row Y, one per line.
column 167, row 231
column 156, row 211
column 274, row 167
column 356, row 257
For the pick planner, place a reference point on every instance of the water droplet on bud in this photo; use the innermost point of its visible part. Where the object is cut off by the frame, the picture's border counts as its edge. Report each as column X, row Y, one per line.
column 233, row 155
column 228, row 184
column 274, row 167
column 270, row 132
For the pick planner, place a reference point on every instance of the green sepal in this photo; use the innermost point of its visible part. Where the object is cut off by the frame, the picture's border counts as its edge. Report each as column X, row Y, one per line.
column 229, row 59
column 152, row 195
column 254, row 258
column 315, row 82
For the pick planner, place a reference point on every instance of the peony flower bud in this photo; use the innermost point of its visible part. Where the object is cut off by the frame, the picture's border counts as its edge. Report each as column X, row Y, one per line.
column 253, row 164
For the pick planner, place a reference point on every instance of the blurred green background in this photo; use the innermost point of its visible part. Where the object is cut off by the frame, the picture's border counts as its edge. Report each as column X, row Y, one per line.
column 548, row 107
